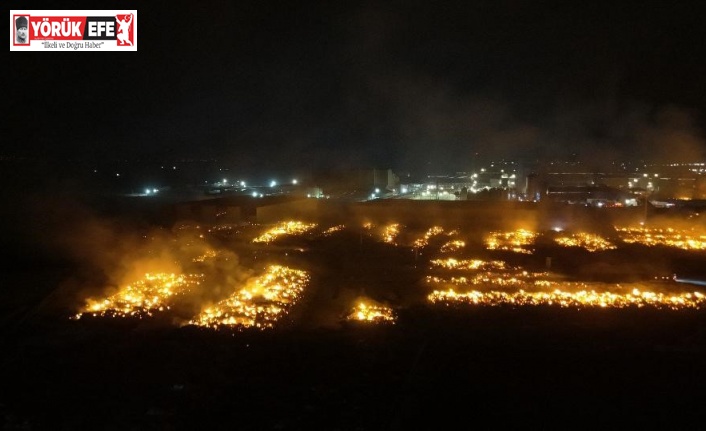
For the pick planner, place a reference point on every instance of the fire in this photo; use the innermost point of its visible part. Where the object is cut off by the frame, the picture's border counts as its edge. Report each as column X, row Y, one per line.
column 468, row 264
column 511, row 241
column 454, row 245
column 517, row 287
column 579, row 299
column 143, row 297
column 685, row 239
column 334, row 229
column 209, row 254
column 588, row 241
column 285, row 228
column 260, row 304
column 424, row 241
column 371, row 313
column 390, row 233
column 522, row 279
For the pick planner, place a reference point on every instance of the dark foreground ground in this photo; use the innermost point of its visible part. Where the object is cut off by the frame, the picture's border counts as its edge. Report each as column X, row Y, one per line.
column 487, row 368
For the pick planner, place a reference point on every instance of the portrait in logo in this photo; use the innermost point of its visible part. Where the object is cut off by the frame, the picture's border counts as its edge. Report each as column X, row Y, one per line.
column 124, row 23
column 21, row 33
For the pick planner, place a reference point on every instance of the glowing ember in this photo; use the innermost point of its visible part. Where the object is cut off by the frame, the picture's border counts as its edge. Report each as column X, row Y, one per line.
column 521, row 279
column 209, row 254
column 424, row 241
column 151, row 294
column 285, row 228
column 580, row 299
column 334, row 229
column 390, row 233
column 511, row 241
column 468, row 264
column 372, row 313
column 685, row 239
column 260, row 304
column 453, row 246
column 588, row 241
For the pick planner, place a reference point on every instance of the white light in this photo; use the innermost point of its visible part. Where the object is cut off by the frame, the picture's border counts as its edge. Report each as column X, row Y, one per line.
column 377, row 190
column 294, row 181
column 273, row 183
column 154, row 190
column 254, row 194
column 147, row 191
column 242, row 183
column 225, row 181
column 117, row 175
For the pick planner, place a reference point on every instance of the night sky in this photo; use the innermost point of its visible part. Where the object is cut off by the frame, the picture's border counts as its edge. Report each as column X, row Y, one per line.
column 355, row 84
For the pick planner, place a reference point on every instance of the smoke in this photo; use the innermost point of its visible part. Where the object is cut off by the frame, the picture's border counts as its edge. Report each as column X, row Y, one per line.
column 104, row 254
column 438, row 124
column 406, row 109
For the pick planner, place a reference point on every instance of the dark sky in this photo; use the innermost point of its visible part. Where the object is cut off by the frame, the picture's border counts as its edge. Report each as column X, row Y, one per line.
column 400, row 84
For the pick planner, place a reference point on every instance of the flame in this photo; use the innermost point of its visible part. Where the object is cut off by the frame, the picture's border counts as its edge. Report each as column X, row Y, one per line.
column 587, row 241
column 284, row 228
column 424, row 241
column 685, row 239
column 143, row 297
column 334, row 229
column 209, row 254
column 579, row 299
column 260, row 304
column 511, row 241
column 390, row 233
column 468, row 264
column 454, row 245
column 367, row 312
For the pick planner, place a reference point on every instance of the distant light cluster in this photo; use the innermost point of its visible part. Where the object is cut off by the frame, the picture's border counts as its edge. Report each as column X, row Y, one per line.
column 284, row 228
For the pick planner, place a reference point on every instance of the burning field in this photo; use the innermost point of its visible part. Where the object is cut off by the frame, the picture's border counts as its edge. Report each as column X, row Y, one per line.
column 153, row 293
column 684, row 239
column 209, row 321
column 231, row 294
column 259, row 304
